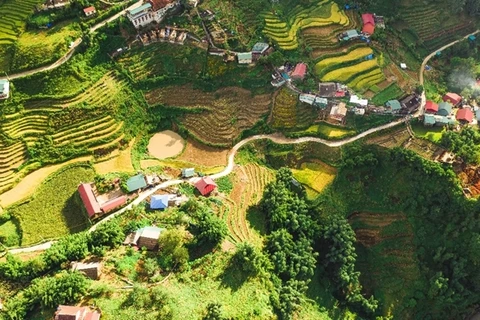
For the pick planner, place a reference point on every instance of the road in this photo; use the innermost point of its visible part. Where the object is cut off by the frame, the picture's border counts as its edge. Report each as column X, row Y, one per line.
column 72, row 49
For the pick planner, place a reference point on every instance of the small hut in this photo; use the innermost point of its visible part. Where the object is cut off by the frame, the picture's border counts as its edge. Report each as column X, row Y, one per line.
column 91, row 270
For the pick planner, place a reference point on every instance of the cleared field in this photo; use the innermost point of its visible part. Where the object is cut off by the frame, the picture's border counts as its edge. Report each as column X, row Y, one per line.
column 284, row 109
column 119, row 163
column 203, row 155
column 386, row 258
column 52, row 211
column 285, row 30
column 315, row 176
column 225, row 114
column 165, row 144
column 244, row 224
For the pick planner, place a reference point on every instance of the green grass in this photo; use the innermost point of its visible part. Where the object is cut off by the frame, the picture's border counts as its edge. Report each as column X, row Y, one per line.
column 433, row 134
column 393, row 91
column 9, row 235
column 55, row 209
column 225, row 184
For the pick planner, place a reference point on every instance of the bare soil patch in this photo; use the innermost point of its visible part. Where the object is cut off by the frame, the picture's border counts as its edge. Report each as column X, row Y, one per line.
column 165, row 144
column 201, row 154
column 322, row 31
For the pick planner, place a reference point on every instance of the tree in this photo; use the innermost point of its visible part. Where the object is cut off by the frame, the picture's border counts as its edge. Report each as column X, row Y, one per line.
column 108, row 234
column 214, row 312
column 171, row 248
column 211, row 229
column 249, row 259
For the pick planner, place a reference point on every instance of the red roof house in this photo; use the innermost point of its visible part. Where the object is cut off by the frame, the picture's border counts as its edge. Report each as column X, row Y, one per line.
column 89, row 11
column 453, row 98
column 368, row 23
column 160, row 4
column 113, row 203
column 431, row 107
column 299, row 71
column 465, row 115
column 75, row 313
column 89, row 200
column 205, row 185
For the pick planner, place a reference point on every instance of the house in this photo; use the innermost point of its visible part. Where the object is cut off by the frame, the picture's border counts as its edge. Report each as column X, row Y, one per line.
column 313, row 100
column 349, row 35
column 259, row 49
column 159, row 201
column 148, row 237
column 299, row 71
column 368, row 23
column 90, row 11
column 393, row 106
column 278, row 82
column 327, row 89
column 444, row 109
column 431, row 107
column 188, row 172
column 453, row 98
column 464, row 115
column 379, row 21
column 113, row 204
column 75, row 313
column 403, row 66
column 244, row 57
column 153, row 10
column 428, row 119
column 4, row 89
column 472, row 38
column 88, row 198
column 360, row 102
column 410, row 103
column 136, row 182
column 91, row 270
column 205, row 185
column 338, row 112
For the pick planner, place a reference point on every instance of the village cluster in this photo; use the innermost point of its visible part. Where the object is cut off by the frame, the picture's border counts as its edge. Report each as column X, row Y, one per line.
column 450, row 111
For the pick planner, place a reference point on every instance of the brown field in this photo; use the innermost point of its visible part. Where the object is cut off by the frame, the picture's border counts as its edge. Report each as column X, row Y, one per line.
column 371, row 236
column 144, row 164
column 249, row 183
column 165, row 144
column 195, row 152
column 226, row 112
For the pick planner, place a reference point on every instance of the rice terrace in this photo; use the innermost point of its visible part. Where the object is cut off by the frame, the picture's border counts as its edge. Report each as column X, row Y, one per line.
column 248, row 159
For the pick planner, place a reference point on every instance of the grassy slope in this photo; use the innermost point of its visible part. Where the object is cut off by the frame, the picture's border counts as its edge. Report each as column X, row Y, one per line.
column 53, row 211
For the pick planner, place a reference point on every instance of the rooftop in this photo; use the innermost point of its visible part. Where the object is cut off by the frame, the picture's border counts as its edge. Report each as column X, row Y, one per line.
column 136, row 182
column 142, row 8
column 260, row 47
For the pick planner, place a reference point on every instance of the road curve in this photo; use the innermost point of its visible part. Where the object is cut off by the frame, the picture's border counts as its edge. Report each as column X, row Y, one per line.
column 427, row 58
column 72, row 49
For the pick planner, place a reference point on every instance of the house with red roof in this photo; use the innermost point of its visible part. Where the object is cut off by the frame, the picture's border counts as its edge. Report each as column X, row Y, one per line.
column 90, row 11
column 299, row 71
column 453, row 98
column 464, row 115
column 368, row 23
column 75, row 313
column 431, row 107
column 89, row 200
column 113, row 204
column 205, row 185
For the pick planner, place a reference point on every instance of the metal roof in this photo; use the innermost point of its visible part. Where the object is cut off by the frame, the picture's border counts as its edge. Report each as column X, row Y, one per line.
column 143, row 7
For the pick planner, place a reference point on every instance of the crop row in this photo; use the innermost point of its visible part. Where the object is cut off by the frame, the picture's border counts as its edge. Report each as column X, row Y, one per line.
column 346, row 74
column 352, row 55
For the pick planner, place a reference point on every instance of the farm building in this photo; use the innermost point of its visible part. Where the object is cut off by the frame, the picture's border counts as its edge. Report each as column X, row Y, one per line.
column 410, row 103
column 444, row 109
column 313, row 100
column 331, row 89
column 159, row 201
column 136, row 182
column 4, row 89
column 91, row 270
column 429, row 119
column 188, row 172
column 244, row 57
column 259, row 49
column 299, row 72
column 452, row 98
column 147, row 237
column 75, row 313
column 338, row 112
column 357, row 101
column 88, row 198
column 393, row 106
column 205, row 185
column 431, row 107
column 113, row 204
column 153, row 10
column 368, row 23
column 90, row 11
column 349, row 35
column 464, row 115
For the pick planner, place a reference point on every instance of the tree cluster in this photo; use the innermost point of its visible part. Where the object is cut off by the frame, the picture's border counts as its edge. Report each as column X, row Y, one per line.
column 465, row 144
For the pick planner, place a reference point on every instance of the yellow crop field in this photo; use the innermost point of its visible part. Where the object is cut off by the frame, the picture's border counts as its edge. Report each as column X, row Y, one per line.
column 355, row 54
column 366, row 83
column 344, row 74
column 355, row 82
column 315, row 176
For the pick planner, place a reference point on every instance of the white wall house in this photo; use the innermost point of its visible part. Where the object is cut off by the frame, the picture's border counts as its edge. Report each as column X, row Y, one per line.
column 153, row 10
column 4, row 89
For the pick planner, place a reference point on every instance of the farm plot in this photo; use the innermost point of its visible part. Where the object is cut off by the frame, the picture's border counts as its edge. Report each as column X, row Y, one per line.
column 250, row 181
column 284, row 109
column 53, row 211
column 226, row 112
column 11, row 158
column 386, row 258
column 315, row 176
column 13, row 15
column 285, row 32
column 203, row 155
column 393, row 91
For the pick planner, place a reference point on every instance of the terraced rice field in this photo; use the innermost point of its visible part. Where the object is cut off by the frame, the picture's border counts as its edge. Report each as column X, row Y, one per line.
column 13, row 14
column 284, row 109
column 352, row 55
column 315, row 176
column 285, row 32
column 226, row 112
column 11, row 157
column 250, row 181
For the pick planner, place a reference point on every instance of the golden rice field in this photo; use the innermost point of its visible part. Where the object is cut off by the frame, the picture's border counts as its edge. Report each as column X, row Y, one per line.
column 345, row 74
column 315, row 176
column 322, row 14
column 353, row 55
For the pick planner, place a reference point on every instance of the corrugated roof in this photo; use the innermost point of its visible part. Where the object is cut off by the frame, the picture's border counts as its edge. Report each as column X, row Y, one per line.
column 429, row 119
column 89, row 200
column 188, row 172
column 444, row 108
column 244, row 55
column 136, row 182
column 452, row 98
column 464, row 114
column 205, row 185
column 394, row 104
column 159, row 201
column 260, row 47
column 431, row 106
column 143, row 7
column 368, row 18
column 113, row 203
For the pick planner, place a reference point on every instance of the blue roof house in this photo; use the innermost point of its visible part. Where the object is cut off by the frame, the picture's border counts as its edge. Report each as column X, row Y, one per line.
column 159, row 201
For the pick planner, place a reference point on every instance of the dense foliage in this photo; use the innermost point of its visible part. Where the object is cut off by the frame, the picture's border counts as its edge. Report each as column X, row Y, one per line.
column 464, row 143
